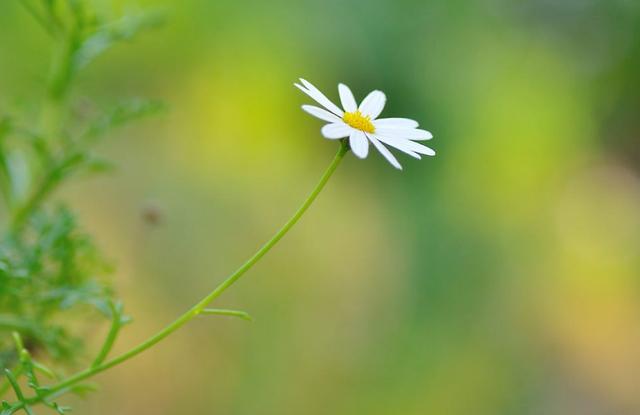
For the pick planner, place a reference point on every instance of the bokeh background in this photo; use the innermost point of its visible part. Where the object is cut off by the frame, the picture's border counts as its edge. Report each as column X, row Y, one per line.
column 500, row 277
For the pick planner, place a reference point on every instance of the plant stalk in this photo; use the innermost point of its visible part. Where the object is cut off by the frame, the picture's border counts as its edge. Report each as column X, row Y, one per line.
column 199, row 307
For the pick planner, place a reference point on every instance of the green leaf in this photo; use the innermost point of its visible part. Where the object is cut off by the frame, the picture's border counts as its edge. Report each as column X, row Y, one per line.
column 98, row 165
column 108, row 35
column 223, row 312
column 83, row 389
column 122, row 114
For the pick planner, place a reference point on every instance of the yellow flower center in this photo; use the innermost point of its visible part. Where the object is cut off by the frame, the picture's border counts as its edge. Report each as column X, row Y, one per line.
column 359, row 121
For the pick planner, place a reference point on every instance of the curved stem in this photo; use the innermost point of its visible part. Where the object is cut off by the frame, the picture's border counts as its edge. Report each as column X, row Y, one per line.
column 202, row 304
column 116, row 325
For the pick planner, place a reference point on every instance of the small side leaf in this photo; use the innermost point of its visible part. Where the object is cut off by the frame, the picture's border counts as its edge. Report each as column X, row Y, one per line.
column 223, row 312
column 108, row 35
column 122, row 114
column 83, row 389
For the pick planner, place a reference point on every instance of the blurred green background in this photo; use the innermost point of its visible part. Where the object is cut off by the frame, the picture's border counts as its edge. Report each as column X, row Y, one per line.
column 500, row 277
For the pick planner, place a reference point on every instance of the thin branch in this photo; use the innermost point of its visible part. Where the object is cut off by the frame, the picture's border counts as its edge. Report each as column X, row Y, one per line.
column 6, row 385
column 16, row 388
column 116, row 325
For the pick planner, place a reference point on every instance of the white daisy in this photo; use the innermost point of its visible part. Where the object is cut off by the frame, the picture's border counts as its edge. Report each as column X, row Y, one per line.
column 361, row 124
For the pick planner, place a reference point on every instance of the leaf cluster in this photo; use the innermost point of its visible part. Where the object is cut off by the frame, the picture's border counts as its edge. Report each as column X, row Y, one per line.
column 54, row 281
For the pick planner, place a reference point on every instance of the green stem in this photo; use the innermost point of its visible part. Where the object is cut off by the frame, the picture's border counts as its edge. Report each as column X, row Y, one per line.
column 6, row 385
column 201, row 305
column 18, row 391
column 116, row 324
column 53, row 115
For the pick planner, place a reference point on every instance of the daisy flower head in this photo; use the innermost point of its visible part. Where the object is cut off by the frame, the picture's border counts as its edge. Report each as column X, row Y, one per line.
column 360, row 123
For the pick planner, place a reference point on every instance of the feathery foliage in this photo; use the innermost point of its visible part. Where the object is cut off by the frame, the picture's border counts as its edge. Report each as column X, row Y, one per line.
column 54, row 282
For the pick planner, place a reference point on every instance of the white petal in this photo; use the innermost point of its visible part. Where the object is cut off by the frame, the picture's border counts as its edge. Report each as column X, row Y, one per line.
column 395, row 123
column 359, row 143
column 407, row 146
column 319, row 97
column 400, row 147
column 385, row 152
column 373, row 104
column 320, row 113
column 347, row 99
column 336, row 130
column 406, row 133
